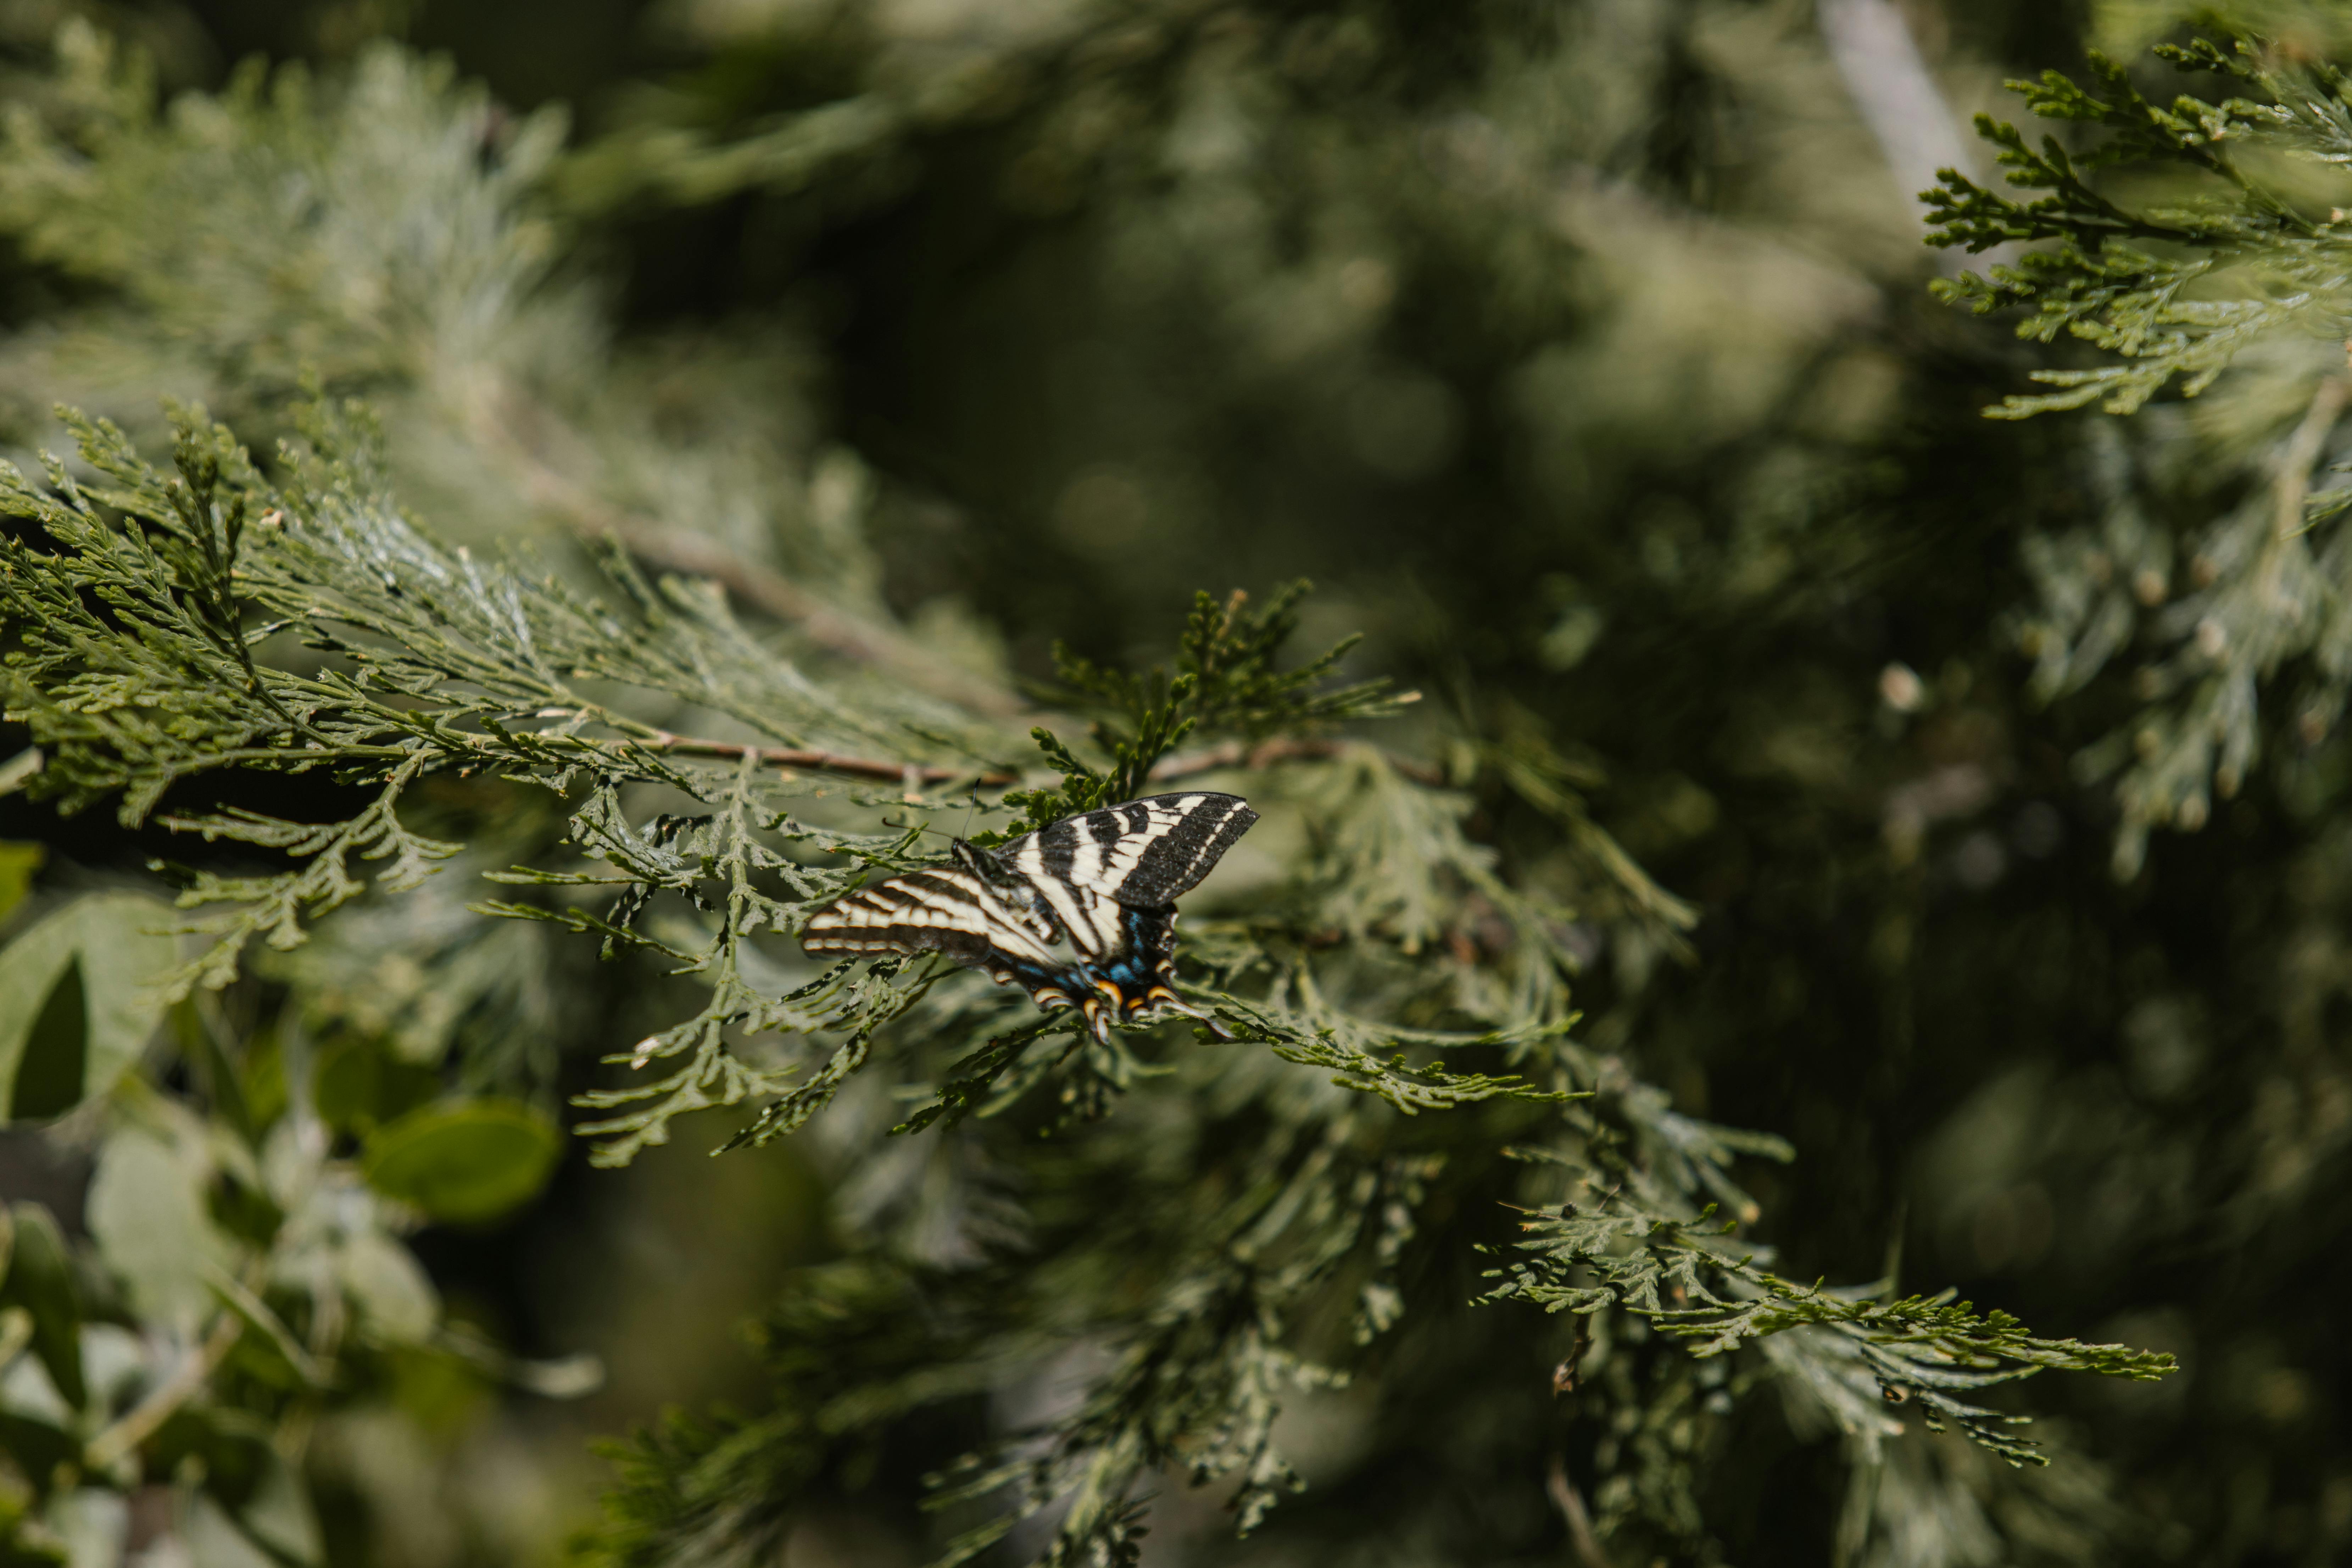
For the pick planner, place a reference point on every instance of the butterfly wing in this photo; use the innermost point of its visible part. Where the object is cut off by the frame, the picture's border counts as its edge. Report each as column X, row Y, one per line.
column 1145, row 855
column 941, row 909
column 1079, row 913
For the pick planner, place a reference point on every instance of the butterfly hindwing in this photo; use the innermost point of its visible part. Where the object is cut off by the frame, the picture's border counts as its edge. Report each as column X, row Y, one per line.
column 1147, row 853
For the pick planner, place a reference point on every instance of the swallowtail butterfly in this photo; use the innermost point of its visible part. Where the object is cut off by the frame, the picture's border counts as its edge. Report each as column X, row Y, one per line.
column 1081, row 914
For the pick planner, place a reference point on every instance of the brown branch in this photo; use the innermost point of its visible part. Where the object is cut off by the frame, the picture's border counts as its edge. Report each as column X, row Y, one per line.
column 1230, row 754
column 547, row 486
column 789, row 757
column 1265, row 754
column 1210, row 758
column 763, row 589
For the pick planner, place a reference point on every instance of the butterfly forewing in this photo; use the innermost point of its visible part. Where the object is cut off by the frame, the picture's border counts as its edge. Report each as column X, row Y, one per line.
column 1144, row 854
column 937, row 909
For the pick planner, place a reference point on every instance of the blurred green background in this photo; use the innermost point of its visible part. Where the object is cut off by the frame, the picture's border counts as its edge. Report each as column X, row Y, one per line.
column 1582, row 351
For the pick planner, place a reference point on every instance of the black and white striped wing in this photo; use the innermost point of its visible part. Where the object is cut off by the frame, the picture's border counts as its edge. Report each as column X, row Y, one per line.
column 1144, row 855
column 941, row 909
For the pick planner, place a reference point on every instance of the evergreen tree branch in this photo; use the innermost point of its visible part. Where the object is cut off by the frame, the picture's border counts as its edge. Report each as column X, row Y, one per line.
column 1697, row 1284
column 2247, row 276
column 675, row 550
column 1245, row 1229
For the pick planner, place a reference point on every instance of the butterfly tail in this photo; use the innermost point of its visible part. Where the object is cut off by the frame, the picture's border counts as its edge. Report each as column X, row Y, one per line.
column 1169, row 1001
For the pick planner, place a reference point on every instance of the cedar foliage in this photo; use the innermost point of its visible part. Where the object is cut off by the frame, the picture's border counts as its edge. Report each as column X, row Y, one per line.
column 505, row 688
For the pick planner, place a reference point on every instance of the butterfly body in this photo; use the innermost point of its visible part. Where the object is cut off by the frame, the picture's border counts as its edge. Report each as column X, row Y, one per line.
column 1080, row 913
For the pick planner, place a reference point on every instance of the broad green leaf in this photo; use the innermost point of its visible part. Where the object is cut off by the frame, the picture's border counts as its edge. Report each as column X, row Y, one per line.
column 17, row 864
column 261, row 1079
column 218, row 1076
column 54, row 1062
column 278, row 1514
column 469, row 1160
column 388, row 1286
column 214, row 1539
column 147, row 1212
column 93, row 1523
column 355, row 1088
column 120, row 1364
column 20, row 769
column 344, row 1083
column 37, row 1446
column 40, row 1279
column 75, row 1006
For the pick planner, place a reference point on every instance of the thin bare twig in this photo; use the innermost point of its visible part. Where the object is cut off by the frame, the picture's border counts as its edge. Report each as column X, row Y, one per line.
column 138, row 1422
column 675, row 550
column 1188, row 764
column 2291, row 487
column 241, row 1299
column 1265, row 754
column 749, row 582
column 1897, row 97
column 789, row 757
column 1570, row 1503
column 2302, row 450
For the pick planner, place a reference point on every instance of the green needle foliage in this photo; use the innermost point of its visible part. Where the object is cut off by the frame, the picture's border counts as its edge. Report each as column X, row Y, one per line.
column 1226, row 680
column 1690, row 1281
column 497, row 692
column 1284, row 1196
column 2215, row 245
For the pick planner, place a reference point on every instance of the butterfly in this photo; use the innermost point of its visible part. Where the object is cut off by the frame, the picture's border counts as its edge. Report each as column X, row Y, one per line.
column 1081, row 914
